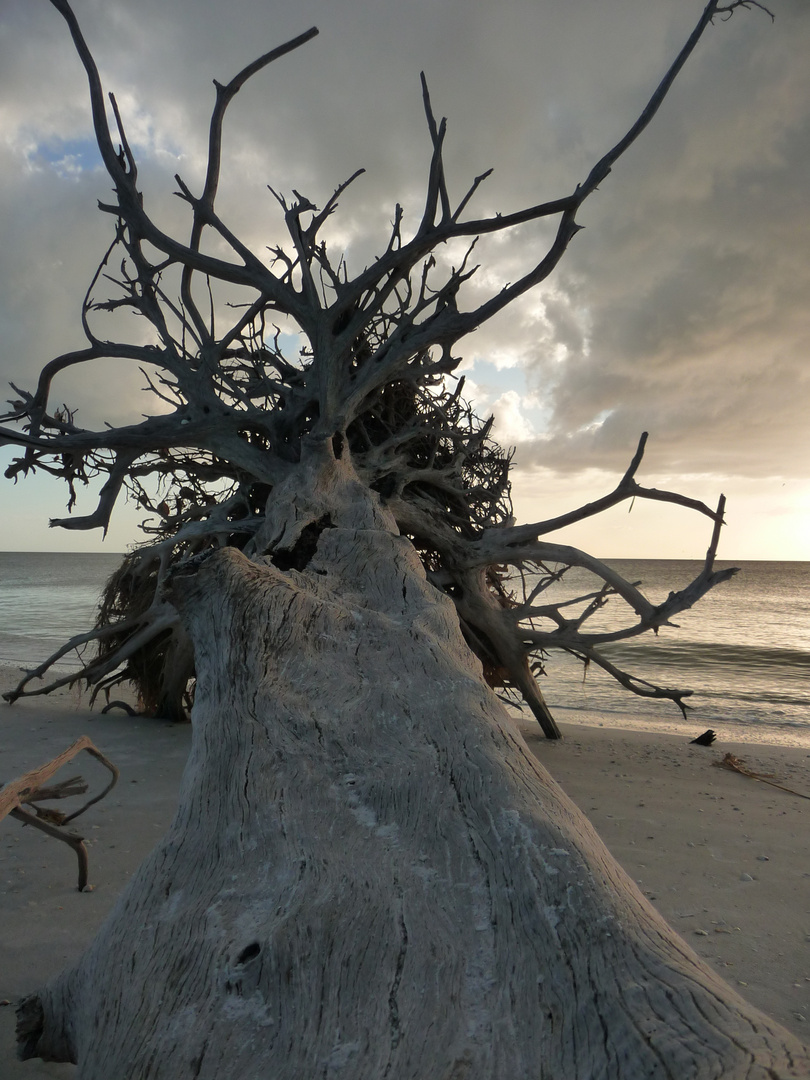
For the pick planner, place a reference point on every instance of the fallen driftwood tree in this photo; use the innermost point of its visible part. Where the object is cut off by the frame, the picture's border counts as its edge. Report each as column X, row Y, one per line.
column 368, row 875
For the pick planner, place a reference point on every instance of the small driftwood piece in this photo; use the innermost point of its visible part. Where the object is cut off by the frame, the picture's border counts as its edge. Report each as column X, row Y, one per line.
column 30, row 789
column 706, row 739
column 735, row 764
column 127, row 708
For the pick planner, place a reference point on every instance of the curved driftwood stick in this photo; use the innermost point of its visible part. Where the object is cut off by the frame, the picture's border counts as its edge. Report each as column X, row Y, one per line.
column 29, row 789
column 72, row 839
column 25, row 788
column 65, row 789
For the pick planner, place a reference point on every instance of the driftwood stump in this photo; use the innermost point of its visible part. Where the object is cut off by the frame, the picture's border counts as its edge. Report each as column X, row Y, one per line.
column 370, row 876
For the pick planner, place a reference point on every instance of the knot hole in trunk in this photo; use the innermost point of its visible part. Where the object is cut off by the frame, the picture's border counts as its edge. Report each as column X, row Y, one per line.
column 299, row 555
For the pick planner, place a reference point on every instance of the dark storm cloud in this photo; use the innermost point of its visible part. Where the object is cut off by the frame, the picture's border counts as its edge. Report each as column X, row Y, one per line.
column 682, row 307
column 695, row 275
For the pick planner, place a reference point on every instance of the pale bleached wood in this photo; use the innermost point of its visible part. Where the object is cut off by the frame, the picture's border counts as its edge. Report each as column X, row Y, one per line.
column 370, row 876
column 19, row 791
column 29, row 789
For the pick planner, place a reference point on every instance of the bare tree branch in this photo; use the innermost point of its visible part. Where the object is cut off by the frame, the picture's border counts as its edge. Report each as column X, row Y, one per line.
column 372, row 388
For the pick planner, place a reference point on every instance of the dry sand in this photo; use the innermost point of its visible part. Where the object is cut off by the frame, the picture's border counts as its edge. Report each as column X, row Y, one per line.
column 45, row 923
column 724, row 858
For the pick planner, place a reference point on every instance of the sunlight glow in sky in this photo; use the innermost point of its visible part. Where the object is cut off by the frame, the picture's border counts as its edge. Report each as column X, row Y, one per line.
column 681, row 309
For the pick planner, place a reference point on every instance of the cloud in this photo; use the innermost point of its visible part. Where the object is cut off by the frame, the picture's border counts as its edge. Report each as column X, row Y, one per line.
column 680, row 309
column 693, row 281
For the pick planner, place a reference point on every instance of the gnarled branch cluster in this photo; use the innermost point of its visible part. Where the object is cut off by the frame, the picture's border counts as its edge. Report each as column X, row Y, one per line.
column 307, row 353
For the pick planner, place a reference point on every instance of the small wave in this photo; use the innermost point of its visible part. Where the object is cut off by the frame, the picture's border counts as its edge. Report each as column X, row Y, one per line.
column 758, row 697
column 694, row 655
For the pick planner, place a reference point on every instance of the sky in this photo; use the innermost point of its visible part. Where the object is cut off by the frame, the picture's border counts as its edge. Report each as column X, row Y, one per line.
column 680, row 309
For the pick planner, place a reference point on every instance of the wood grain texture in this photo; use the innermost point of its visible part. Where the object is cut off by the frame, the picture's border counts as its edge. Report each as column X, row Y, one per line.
column 369, row 876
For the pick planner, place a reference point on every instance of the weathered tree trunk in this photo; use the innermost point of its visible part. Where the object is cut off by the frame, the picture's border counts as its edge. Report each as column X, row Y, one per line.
column 369, row 875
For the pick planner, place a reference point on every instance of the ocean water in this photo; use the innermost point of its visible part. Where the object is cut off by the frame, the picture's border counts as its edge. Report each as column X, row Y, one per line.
column 45, row 599
column 744, row 649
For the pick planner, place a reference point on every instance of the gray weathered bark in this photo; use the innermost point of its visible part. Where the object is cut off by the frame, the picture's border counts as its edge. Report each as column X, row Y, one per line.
column 369, row 875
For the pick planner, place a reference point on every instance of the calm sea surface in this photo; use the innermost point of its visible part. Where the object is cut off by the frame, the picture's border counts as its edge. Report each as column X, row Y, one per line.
column 46, row 598
column 744, row 650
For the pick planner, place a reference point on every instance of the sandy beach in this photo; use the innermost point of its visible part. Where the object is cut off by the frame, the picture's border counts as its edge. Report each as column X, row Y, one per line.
column 45, row 923
column 726, row 859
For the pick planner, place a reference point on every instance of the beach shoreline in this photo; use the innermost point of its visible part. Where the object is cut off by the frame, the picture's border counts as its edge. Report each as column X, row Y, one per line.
column 661, row 721
column 724, row 858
